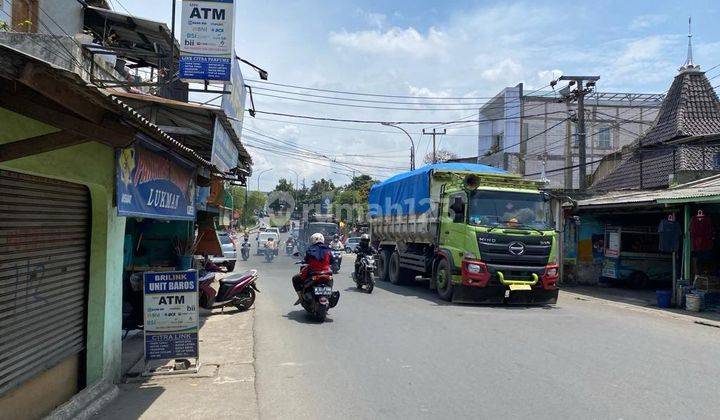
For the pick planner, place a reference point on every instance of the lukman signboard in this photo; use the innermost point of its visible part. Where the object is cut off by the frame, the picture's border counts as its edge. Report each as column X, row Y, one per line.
column 150, row 184
column 206, row 43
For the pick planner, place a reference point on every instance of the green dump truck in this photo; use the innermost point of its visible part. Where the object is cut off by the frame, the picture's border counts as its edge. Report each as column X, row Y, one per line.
column 478, row 233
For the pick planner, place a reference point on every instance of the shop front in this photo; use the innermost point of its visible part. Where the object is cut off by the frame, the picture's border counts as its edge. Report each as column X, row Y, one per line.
column 155, row 192
column 663, row 242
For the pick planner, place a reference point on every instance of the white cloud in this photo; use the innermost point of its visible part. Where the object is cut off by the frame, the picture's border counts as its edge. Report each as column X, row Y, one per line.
column 506, row 70
column 647, row 21
column 393, row 41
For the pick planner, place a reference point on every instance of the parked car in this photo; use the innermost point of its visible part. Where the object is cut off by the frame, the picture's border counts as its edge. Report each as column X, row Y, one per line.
column 229, row 256
column 351, row 244
column 273, row 230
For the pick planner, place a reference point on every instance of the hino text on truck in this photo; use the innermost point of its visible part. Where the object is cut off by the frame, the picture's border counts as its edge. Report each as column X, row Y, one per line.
column 479, row 233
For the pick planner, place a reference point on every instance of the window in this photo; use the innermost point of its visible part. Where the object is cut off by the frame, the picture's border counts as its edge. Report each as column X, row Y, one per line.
column 604, row 137
column 498, row 141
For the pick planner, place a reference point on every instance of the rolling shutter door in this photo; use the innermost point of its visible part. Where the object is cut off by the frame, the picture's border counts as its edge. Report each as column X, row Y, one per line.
column 44, row 255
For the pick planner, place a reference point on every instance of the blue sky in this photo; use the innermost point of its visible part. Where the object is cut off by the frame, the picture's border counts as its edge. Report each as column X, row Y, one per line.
column 447, row 48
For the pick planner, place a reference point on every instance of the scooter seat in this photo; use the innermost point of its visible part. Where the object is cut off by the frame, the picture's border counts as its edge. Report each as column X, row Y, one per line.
column 239, row 277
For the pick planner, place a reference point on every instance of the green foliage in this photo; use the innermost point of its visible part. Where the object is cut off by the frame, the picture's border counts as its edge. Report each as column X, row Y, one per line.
column 351, row 202
column 256, row 201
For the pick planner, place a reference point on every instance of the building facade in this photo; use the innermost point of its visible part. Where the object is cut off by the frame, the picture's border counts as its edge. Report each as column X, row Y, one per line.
column 535, row 134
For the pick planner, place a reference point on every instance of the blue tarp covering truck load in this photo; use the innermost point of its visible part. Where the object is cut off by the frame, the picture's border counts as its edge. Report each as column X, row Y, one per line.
column 476, row 232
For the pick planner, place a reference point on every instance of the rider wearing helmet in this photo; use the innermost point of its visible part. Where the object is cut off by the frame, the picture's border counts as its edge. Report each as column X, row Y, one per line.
column 317, row 259
column 363, row 249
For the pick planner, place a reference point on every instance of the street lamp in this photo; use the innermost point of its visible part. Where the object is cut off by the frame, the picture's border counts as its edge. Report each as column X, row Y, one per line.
column 259, row 175
column 412, row 143
column 297, row 177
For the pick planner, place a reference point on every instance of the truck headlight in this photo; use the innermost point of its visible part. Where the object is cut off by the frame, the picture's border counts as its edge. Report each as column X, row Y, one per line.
column 474, row 268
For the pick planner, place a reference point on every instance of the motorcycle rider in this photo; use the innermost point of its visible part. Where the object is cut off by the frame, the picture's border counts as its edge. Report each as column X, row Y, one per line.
column 336, row 243
column 363, row 249
column 317, row 259
column 270, row 244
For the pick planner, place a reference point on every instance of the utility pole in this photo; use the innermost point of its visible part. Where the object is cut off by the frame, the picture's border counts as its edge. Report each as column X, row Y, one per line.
column 578, row 94
column 434, row 133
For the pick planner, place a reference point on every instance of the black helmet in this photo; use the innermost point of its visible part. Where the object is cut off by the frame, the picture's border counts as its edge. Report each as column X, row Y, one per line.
column 364, row 239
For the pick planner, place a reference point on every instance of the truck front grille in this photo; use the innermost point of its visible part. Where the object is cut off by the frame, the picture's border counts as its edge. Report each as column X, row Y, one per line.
column 514, row 249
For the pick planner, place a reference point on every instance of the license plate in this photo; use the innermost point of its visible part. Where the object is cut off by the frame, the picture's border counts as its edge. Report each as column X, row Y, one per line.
column 323, row 291
column 514, row 287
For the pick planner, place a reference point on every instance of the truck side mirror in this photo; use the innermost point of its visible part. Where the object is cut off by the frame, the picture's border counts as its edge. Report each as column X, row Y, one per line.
column 458, row 209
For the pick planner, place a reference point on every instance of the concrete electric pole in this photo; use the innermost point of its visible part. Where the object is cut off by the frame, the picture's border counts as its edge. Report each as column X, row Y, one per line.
column 585, row 85
column 434, row 133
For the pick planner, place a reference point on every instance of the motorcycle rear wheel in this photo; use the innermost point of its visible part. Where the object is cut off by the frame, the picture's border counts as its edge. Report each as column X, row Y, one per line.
column 245, row 299
column 320, row 314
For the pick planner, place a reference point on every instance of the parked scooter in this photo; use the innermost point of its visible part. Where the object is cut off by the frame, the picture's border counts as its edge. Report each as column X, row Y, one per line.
column 318, row 296
column 336, row 261
column 245, row 251
column 236, row 290
column 363, row 277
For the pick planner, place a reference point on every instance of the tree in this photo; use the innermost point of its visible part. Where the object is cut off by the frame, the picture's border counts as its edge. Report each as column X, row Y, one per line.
column 442, row 155
column 283, row 186
column 256, row 202
column 351, row 202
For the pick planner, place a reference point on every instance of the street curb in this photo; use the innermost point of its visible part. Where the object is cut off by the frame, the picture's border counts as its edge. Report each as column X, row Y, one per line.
column 86, row 403
column 648, row 310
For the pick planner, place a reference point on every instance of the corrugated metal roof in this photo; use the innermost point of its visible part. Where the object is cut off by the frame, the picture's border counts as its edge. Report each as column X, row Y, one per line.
column 114, row 103
column 705, row 189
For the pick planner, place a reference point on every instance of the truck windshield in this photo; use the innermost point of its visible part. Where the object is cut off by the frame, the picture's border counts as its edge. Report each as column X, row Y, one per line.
column 509, row 209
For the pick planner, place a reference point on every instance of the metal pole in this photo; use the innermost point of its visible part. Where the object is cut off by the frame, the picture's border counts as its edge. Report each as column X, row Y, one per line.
column 434, row 133
column 582, row 172
column 171, row 76
column 412, row 144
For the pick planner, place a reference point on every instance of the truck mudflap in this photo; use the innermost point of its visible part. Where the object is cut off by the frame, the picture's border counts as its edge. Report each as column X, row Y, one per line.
column 496, row 294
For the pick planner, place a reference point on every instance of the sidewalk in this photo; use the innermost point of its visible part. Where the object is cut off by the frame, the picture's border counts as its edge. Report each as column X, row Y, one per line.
column 636, row 300
column 224, row 387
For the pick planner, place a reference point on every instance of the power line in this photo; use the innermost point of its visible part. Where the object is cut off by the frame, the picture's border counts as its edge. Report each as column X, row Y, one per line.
column 357, row 121
column 368, row 94
column 255, row 88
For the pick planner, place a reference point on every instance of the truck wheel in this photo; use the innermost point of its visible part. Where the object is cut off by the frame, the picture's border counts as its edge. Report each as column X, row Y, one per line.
column 382, row 265
column 397, row 274
column 394, row 268
column 443, row 280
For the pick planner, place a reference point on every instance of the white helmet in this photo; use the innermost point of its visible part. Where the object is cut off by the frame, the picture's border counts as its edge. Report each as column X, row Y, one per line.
column 317, row 238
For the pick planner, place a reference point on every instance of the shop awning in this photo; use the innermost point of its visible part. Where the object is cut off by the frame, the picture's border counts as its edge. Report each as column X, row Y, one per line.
column 192, row 124
column 703, row 190
column 62, row 99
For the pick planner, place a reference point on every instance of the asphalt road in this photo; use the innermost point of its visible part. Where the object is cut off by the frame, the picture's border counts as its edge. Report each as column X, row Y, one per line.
column 402, row 353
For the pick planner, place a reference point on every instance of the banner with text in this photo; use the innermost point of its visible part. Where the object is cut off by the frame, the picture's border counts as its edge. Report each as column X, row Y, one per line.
column 206, row 39
column 150, row 184
column 171, row 314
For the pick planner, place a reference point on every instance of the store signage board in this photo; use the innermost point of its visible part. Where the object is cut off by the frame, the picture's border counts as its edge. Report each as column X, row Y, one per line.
column 224, row 153
column 150, row 184
column 171, row 315
column 206, row 40
column 612, row 249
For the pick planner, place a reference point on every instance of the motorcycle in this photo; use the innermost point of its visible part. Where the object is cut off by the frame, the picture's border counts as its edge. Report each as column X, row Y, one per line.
column 245, row 251
column 363, row 277
column 289, row 248
column 236, row 290
column 336, row 261
column 318, row 296
column 270, row 252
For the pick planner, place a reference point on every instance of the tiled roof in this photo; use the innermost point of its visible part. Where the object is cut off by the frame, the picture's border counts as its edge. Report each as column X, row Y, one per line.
column 690, row 109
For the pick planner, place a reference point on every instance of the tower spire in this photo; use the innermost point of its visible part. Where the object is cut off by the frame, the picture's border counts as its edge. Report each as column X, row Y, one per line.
column 689, row 61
